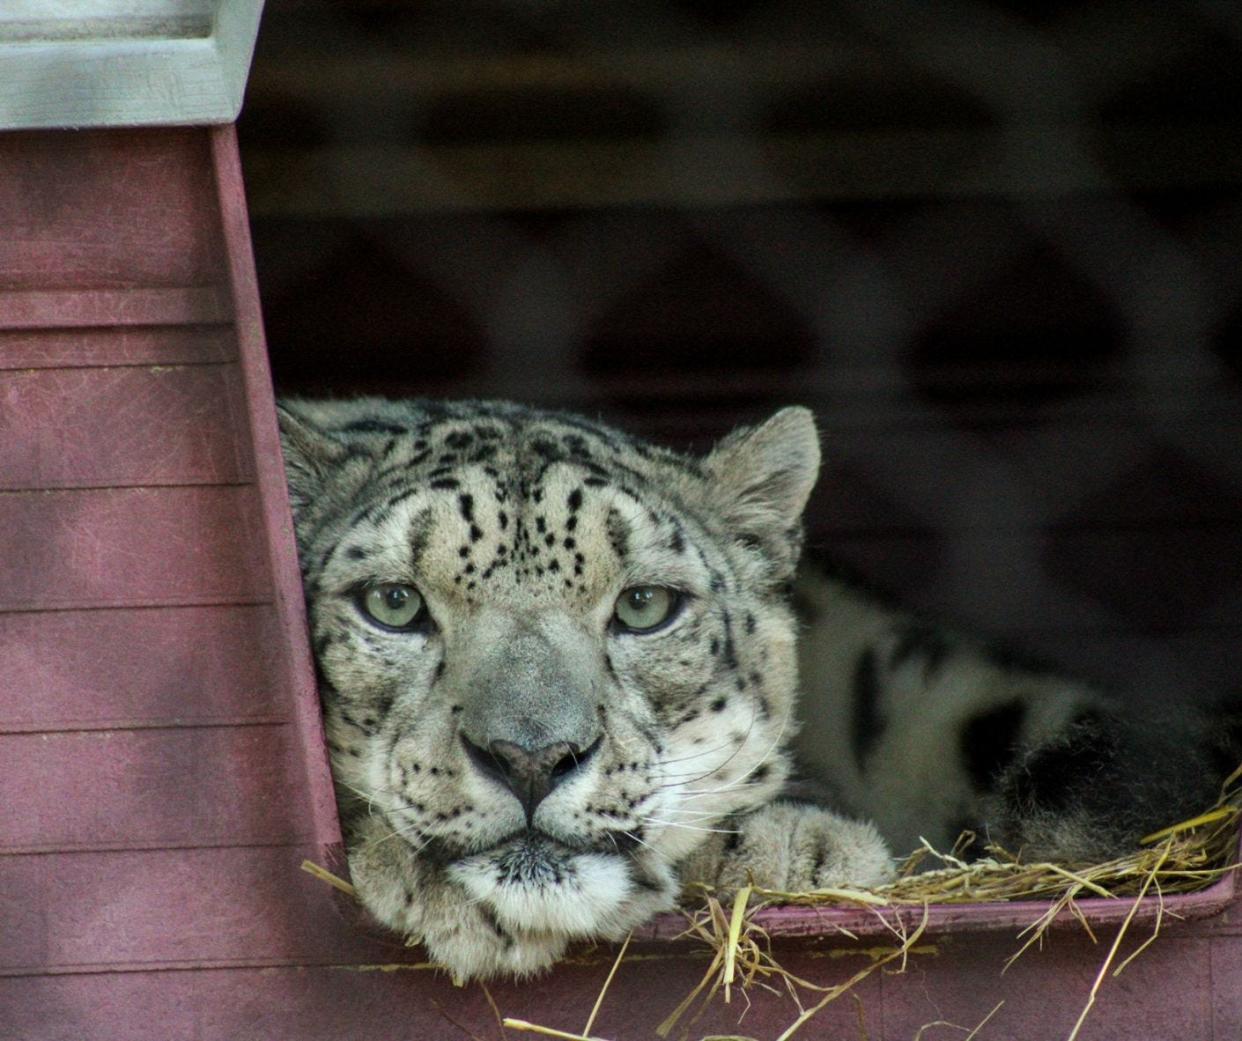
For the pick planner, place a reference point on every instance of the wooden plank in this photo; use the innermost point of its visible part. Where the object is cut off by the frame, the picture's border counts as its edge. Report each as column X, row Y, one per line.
column 130, row 548
column 199, row 666
column 122, row 426
column 328, row 1003
column 278, row 537
column 85, row 308
column 86, row 348
column 169, row 908
column 106, row 210
column 1045, row 990
column 145, row 789
column 1163, row 995
column 1225, row 965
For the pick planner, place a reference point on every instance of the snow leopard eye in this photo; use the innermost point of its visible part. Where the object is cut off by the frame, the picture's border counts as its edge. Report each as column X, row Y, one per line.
column 392, row 605
column 643, row 609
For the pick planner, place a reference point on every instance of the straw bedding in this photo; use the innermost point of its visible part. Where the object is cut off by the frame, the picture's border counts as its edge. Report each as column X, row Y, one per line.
column 1185, row 857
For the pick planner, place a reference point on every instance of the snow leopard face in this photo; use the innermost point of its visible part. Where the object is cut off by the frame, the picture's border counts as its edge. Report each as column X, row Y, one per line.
column 551, row 657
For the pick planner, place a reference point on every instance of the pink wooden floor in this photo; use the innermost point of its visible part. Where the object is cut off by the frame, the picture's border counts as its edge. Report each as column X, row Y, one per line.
column 161, row 769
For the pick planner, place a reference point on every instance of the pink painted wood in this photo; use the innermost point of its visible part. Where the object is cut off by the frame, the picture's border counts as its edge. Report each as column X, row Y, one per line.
column 162, row 769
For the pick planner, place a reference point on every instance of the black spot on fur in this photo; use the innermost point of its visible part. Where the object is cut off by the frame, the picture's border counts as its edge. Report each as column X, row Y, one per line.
column 466, row 504
column 618, row 534
column 356, row 553
column 644, row 881
column 574, row 502
column 546, row 449
column 989, row 742
column 444, row 484
column 867, row 724
column 1054, row 777
column 373, row 426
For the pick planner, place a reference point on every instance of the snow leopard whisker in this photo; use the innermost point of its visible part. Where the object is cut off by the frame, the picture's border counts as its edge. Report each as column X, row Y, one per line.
column 689, row 827
column 633, row 838
column 736, row 751
column 693, row 814
column 741, row 778
column 695, row 755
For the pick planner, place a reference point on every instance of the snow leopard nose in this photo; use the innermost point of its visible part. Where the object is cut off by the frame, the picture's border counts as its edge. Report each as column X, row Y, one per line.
column 530, row 775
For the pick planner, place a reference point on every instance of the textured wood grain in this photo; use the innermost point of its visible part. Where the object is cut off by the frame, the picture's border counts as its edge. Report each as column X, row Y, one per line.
column 147, row 789
column 277, row 522
column 948, row 982
column 135, row 345
column 94, row 308
column 164, row 908
column 136, row 212
column 121, row 426
column 130, row 547
column 75, row 670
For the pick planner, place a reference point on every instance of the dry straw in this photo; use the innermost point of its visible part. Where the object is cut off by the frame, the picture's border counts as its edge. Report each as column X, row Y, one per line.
column 1179, row 859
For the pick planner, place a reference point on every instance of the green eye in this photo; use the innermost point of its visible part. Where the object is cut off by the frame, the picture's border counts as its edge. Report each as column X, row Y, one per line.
column 642, row 609
column 392, row 605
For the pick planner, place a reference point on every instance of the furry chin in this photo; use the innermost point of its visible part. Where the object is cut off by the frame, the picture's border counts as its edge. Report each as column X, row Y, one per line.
column 533, row 886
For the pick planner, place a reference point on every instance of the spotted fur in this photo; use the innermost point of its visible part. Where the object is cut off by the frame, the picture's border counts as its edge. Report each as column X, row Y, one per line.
column 520, row 530
column 931, row 733
column 665, row 756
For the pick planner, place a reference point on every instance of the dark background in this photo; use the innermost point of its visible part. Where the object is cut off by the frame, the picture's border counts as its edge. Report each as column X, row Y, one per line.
column 996, row 247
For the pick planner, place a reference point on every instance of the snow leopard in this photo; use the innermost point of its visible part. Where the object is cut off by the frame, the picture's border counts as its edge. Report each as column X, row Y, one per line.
column 559, row 671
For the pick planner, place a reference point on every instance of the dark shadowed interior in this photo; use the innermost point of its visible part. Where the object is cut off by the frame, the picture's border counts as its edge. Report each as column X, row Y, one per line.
column 996, row 252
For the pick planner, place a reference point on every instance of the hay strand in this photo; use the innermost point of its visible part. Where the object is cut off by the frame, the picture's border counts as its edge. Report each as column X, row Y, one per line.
column 1112, row 951
column 731, row 941
column 599, row 1000
column 324, row 875
column 535, row 1028
column 1182, row 858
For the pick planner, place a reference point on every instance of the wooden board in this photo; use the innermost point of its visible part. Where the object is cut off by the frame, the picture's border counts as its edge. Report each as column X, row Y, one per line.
column 160, row 737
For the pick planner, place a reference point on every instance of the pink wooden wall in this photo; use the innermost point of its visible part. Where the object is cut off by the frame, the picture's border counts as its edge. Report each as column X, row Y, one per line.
column 161, row 769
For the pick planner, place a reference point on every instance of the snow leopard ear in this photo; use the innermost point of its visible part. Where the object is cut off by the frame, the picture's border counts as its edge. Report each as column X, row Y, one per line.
column 760, row 479
column 310, row 454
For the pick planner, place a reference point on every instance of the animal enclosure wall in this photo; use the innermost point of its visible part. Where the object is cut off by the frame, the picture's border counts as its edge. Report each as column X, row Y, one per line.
column 1029, row 390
